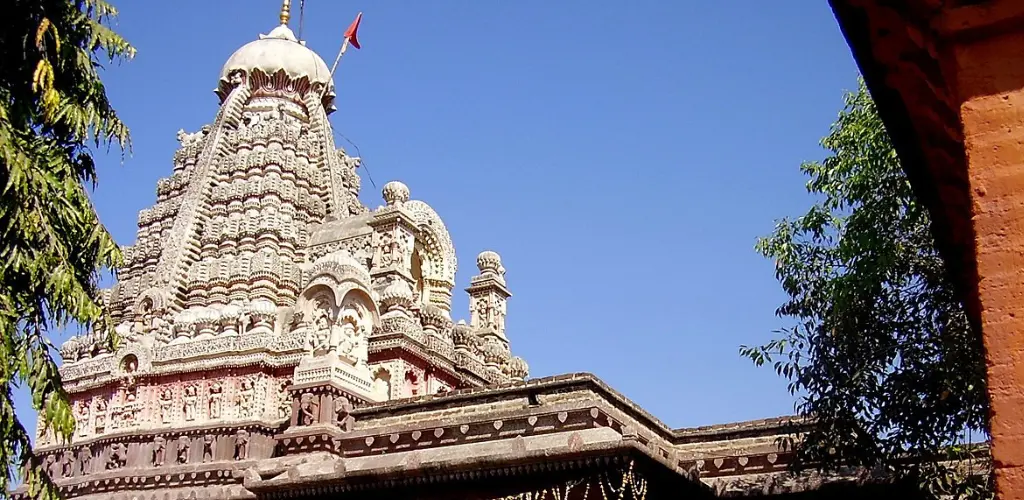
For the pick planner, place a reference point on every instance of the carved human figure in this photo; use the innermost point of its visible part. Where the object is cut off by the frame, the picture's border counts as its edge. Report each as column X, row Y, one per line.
column 480, row 316
column 343, row 414
column 159, row 449
column 209, row 447
column 51, row 466
column 183, row 448
column 166, row 401
column 246, row 394
column 118, row 456
column 101, row 415
column 353, row 332
column 216, row 396
column 390, row 250
column 284, row 402
column 344, row 338
column 82, row 418
column 84, row 459
column 241, row 444
column 131, row 364
column 309, row 409
column 67, row 464
column 191, row 398
column 319, row 337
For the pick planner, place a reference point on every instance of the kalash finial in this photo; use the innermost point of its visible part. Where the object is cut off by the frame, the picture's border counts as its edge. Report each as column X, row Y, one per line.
column 286, row 12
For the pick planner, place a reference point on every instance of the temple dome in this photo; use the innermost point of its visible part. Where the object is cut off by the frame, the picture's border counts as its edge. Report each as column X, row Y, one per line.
column 278, row 51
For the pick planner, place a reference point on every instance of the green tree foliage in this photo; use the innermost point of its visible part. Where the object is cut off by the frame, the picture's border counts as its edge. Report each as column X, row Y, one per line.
column 881, row 354
column 53, row 107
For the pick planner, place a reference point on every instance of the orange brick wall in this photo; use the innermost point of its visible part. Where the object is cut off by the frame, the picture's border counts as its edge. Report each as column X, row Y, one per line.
column 990, row 83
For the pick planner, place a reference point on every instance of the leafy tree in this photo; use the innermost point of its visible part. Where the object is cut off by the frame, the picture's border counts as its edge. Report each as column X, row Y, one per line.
column 53, row 107
column 881, row 354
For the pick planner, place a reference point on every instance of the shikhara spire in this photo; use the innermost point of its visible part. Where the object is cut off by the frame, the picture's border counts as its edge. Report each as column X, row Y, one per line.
column 258, row 269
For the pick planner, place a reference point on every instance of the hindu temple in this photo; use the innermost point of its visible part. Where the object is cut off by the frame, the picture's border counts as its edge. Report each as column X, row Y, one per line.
column 280, row 339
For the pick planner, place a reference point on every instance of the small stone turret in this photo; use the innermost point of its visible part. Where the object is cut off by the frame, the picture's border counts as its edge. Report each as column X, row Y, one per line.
column 488, row 295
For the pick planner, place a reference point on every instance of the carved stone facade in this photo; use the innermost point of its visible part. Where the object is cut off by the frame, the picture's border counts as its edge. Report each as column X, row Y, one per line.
column 276, row 331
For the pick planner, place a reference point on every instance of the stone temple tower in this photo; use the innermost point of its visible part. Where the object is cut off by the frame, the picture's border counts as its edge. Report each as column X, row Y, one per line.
column 279, row 340
column 261, row 298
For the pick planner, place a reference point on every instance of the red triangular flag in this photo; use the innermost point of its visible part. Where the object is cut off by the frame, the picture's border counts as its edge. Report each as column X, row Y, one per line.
column 350, row 33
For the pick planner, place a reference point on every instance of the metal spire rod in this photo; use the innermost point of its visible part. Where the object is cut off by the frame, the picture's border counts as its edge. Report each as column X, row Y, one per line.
column 286, row 12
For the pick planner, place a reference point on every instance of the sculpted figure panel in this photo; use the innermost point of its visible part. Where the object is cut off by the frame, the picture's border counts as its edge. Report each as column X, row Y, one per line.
column 166, row 400
column 309, row 409
column 82, row 418
column 209, row 447
column 216, row 396
column 159, row 449
column 246, row 395
column 101, row 415
column 184, row 444
column 118, row 456
column 320, row 325
column 191, row 399
column 241, row 445
column 343, row 414
column 85, row 459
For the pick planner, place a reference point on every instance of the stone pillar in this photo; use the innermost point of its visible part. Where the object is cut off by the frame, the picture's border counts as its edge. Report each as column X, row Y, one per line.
column 989, row 68
column 488, row 295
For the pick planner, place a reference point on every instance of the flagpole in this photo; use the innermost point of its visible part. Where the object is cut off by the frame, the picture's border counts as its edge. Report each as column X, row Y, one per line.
column 344, row 47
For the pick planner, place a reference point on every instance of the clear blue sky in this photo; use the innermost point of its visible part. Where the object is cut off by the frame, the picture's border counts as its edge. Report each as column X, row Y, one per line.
column 622, row 157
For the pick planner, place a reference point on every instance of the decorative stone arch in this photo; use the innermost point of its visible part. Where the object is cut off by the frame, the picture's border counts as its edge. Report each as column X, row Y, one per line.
column 136, row 353
column 336, row 268
column 362, row 297
column 154, row 300
column 439, row 262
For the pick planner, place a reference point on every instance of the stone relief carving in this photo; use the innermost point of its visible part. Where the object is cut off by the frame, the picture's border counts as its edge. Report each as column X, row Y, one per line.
column 319, row 336
column 309, row 409
column 183, row 448
column 118, row 456
column 209, row 447
column 82, row 418
column 67, row 464
column 50, row 466
column 343, row 414
column 190, row 400
column 241, row 444
column 245, row 398
column 159, row 449
column 215, row 399
column 85, row 459
column 284, row 402
column 101, row 415
column 166, row 401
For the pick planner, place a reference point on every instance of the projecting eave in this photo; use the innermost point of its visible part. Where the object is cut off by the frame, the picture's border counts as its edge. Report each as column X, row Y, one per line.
column 902, row 49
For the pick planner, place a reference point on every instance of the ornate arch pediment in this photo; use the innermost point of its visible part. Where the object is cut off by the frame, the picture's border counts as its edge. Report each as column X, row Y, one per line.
column 440, row 261
column 337, row 267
